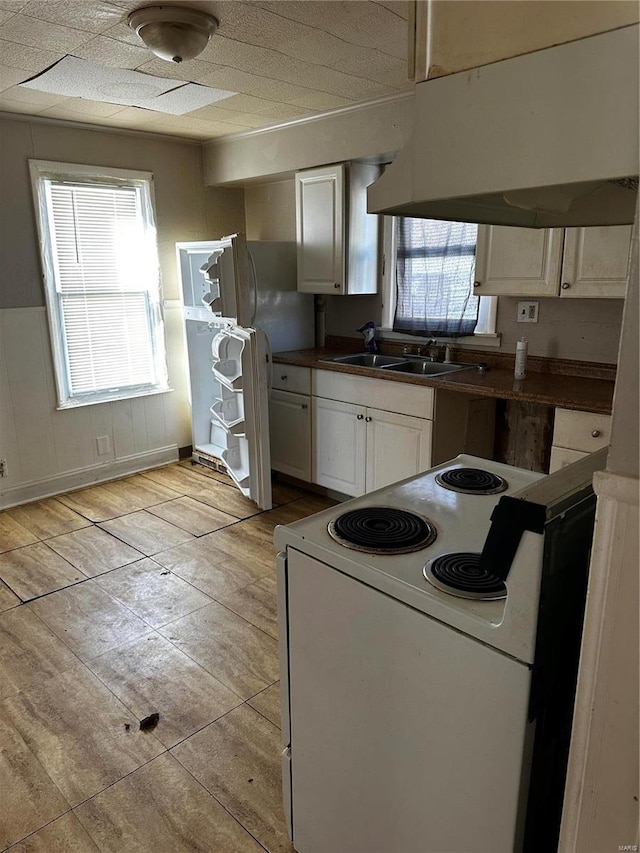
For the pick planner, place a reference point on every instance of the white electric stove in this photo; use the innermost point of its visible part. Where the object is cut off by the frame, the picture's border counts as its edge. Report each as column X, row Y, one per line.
column 415, row 663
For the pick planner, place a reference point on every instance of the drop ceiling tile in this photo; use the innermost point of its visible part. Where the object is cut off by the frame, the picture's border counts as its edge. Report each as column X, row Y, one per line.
column 86, row 107
column 8, row 106
column 250, row 104
column 11, row 77
column 27, row 58
column 93, row 17
column 185, row 99
column 123, row 32
column 38, row 100
column 29, row 31
column 108, row 51
column 252, row 84
column 322, row 101
column 194, row 71
column 215, row 113
column 282, row 112
column 378, row 67
column 373, row 25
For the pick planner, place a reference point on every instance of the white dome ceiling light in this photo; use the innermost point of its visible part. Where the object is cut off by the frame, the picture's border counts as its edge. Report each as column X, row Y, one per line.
column 173, row 33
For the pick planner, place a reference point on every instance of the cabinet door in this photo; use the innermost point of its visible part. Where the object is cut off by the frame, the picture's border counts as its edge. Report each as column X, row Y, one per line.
column 339, row 444
column 398, row 446
column 320, row 228
column 596, row 262
column 290, row 432
column 518, row 261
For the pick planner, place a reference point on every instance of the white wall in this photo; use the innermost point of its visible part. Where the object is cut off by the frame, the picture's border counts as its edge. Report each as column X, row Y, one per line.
column 48, row 451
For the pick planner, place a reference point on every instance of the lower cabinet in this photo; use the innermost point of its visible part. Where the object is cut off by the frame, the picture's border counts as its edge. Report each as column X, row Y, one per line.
column 290, row 432
column 357, row 449
column 576, row 434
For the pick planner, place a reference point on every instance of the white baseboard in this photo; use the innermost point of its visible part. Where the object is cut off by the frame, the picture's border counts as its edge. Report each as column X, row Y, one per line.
column 83, row 477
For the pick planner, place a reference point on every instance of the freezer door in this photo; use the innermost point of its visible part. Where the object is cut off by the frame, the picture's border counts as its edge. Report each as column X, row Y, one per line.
column 214, row 277
column 239, row 433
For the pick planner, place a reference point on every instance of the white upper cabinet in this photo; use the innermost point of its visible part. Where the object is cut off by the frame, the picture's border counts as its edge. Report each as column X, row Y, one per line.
column 337, row 239
column 522, row 261
column 320, row 230
column 572, row 262
column 596, row 262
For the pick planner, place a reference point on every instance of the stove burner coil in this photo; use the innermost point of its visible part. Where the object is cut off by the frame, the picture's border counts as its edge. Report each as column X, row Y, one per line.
column 459, row 574
column 471, row 481
column 382, row 530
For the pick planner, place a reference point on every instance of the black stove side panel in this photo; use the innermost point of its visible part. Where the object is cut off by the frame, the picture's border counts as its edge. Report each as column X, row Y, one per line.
column 567, row 553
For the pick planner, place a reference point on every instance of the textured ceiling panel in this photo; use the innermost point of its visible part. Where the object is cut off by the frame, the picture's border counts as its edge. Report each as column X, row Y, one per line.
column 28, row 58
column 91, row 17
column 117, row 54
column 31, row 31
column 285, row 58
column 369, row 25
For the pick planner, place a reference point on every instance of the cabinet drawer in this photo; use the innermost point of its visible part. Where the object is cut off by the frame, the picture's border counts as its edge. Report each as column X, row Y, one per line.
column 377, row 393
column 581, row 430
column 290, row 377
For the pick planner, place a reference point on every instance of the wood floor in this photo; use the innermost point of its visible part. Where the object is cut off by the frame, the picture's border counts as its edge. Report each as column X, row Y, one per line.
column 151, row 594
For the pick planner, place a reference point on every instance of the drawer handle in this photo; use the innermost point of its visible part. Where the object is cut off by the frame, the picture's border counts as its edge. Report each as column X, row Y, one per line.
column 565, row 285
column 283, row 377
column 477, row 284
column 596, row 433
column 304, row 406
column 359, row 417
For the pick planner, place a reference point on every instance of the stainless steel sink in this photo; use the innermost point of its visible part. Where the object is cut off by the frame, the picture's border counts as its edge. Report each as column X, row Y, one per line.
column 367, row 359
column 426, row 368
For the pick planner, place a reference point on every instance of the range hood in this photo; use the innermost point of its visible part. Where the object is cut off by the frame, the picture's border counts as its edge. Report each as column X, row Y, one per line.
column 542, row 140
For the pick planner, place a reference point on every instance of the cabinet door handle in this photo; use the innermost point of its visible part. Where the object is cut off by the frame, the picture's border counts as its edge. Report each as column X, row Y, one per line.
column 359, row 417
column 477, row 283
column 368, row 419
column 336, row 284
column 283, row 377
column 596, row 433
column 304, row 406
column 566, row 285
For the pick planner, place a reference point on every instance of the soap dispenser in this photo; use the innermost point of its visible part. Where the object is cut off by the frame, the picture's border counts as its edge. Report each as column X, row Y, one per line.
column 368, row 332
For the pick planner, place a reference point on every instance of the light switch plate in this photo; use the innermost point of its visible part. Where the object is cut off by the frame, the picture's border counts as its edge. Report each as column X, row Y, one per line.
column 104, row 445
column 527, row 312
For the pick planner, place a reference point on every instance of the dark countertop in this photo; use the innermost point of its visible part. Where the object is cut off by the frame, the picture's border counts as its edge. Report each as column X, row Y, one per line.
column 581, row 393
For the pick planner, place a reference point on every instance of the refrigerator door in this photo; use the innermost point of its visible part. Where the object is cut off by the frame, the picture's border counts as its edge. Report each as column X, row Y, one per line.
column 239, row 424
column 215, row 279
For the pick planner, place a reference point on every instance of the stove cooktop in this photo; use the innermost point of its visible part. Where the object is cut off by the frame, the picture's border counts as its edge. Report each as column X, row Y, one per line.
column 459, row 574
column 382, row 530
column 472, row 481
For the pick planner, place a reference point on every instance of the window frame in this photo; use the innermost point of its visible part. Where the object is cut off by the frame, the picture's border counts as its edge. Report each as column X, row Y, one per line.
column 487, row 310
column 45, row 170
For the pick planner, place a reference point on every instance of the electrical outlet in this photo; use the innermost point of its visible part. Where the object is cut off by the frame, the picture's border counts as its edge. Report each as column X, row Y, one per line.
column 104, row 445
column 527, row 312
column 3, row 468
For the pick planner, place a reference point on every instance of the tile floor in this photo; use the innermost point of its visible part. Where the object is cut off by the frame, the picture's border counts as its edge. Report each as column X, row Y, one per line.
column 155, row 593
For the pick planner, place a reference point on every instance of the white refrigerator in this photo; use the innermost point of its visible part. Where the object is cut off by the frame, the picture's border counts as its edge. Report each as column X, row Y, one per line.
column 240, row 305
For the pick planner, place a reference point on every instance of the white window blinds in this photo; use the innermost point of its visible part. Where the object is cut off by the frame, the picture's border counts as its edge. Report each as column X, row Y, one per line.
column 435, row 263
column 102, row 277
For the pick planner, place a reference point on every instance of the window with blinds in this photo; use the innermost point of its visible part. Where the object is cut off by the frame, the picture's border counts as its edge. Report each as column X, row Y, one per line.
column 435, row 263
column 101, row 272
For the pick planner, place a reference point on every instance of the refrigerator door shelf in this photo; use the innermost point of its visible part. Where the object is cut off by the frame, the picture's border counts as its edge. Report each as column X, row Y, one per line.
column 230, row 410
column 236, row 458
column 229, row 374
column 209, row 268
column 211, row 299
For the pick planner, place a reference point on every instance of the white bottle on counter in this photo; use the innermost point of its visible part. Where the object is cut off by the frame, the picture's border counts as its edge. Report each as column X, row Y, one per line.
column 521, row 358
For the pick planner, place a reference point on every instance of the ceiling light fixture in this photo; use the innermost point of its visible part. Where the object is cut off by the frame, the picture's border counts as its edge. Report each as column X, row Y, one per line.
column 173, row 33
